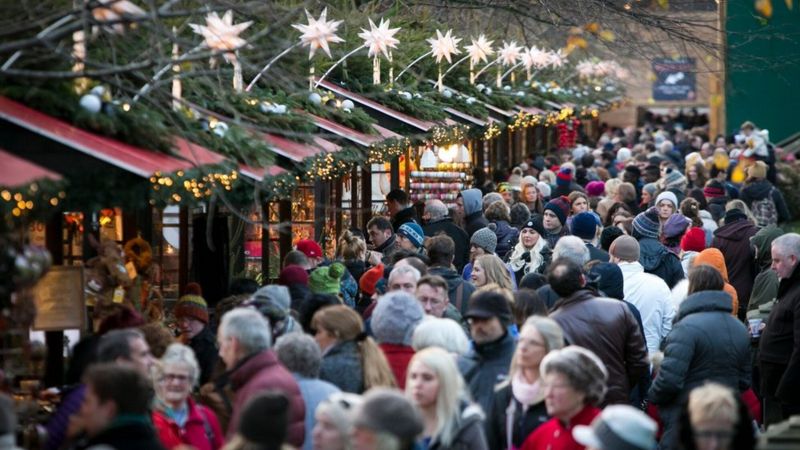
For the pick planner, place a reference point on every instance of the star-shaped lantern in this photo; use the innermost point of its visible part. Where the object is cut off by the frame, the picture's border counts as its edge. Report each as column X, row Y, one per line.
column 510, row 53
column 444, row 46
column 585, row 69
column 115, row 10
column 557, row 58
column 318, row 33
column 535, row 58
column 479, row 50
column 221, row 34
column 379, row 39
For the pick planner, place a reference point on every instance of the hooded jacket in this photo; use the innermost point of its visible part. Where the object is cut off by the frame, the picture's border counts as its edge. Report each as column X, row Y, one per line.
column 485, row 366
column 651, row 296
column 713, row 258
column 733, row 240
column 470, row 434
column 459, row 290
column 474, row 219
column 507, row 237
column 405, row 215
column 656, row 259
column 341, row 365
column 606, row 327
column 759, row 190
column 779, row 340
column 765, row 285
column 706, row 344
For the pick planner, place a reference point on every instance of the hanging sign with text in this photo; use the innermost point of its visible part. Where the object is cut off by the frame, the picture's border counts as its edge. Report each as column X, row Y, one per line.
column 674, row 79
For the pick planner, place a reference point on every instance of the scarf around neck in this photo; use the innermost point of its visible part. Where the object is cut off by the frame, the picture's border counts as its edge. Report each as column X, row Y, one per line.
column 526, row 393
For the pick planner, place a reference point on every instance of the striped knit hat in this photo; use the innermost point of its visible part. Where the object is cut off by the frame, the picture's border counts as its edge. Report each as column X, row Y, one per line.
column 192, row 304
column 646, row 224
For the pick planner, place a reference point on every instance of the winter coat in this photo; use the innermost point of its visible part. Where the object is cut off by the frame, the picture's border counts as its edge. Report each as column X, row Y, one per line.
column 716, row 206
column 759, row 190
column 405, row 215
column 314, row 391
column 656, row 259
column 484, row 366
column 552, row 238
column 398, row 357
column 474, row 219
column 204, row 346
column 765, row 285
column 470, row 434
column 693, row 352
column 714, row 258
column 459, row 236
column 388, row 249
column 779, row 340
column 507, row 237
column 507, row 414
column 554, row 435
column 651, row 296
column 733, row 240
column 341, row 365
column 606, row 327
column 259, row 373
column 201, row 430
column 458, row 289
column 523, row 261
column 597, row 254
column 131, row 433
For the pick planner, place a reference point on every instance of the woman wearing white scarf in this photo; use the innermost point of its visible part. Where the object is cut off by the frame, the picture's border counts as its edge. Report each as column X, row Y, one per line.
column 531, row 254
column 518, row 406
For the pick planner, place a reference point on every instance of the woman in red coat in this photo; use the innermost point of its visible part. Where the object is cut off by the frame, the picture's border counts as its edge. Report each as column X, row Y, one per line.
column 177, row 418
column 574, row 383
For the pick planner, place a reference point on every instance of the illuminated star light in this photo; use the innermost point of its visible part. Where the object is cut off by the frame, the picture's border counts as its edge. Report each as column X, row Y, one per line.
column 557, row 58
column 480, row 50
column 379, row 39
column 221, row 34
column 535, row 58
column 444, row 46
column 510, row 53
column 318, row 33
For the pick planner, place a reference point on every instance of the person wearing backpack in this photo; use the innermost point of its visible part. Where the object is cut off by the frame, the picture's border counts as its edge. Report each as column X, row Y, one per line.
column 763, row 198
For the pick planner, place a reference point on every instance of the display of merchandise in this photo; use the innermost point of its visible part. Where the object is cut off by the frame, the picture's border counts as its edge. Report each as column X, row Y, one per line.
column 443, row 182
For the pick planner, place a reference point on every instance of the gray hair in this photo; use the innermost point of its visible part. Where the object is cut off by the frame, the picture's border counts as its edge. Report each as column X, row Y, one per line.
column 179, row 354
column 440, row 332
column 490, row 198
column 340, row 408
column 573, row 249
column 789, row 244
column 117, row 344
column 666, row 146
column 584, row 371
column 403, row 270
column 551, row 332
column 249, row 327
column 437, row 209
column 299, row 353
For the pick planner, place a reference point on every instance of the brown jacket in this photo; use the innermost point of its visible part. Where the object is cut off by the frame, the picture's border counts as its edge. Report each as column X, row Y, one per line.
column 606, row 327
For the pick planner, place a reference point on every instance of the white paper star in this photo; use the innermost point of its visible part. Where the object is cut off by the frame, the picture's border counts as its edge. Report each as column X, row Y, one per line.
column 444, row 46
column 557, row 58
column 585, row 69
column 510, row 53
column 116, row 10
column 221, row 34
column 480, row 50
column 536, row 58
column 318, row 33
column 379, row 39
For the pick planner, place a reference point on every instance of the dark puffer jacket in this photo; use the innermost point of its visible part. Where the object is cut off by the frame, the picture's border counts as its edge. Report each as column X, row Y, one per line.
column 485, row 366
column 506, row 408
column 474, row 219
column 733, row 240
column 706, row 344
column 341, row 365
column 656, row 259
column 470, row 434
column 507, row 237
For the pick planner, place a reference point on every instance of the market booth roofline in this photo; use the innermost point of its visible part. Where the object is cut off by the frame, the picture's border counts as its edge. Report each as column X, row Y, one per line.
column 16, row 171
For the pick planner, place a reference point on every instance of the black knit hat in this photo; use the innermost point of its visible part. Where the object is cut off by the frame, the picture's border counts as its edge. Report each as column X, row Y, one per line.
column 536, row 223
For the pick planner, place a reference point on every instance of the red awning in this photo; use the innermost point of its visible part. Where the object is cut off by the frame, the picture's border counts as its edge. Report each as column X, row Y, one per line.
column 258, row 173
column 135, row 160
column 298, row 151
column 350, row 134
column 16, row 171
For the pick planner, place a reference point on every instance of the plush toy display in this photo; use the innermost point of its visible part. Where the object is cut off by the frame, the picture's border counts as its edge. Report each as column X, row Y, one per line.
column 107, row 276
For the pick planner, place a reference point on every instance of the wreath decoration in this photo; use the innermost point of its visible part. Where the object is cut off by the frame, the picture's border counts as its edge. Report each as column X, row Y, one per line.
column 139, row 252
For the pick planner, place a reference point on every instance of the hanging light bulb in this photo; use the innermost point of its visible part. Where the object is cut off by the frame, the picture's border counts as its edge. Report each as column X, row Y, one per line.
column 446, row 154
column 428, row 159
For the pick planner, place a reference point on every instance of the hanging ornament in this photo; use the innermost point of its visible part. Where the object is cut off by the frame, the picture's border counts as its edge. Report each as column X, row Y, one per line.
column 315, row 98
column 428, row 159
column 508, row 57
column 379, row 40
column 91, row 103
column 222, row 35
column 443, row 47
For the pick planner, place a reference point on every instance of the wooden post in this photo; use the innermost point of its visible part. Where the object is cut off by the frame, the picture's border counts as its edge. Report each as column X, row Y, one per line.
column 183, row 251
column 366, row 197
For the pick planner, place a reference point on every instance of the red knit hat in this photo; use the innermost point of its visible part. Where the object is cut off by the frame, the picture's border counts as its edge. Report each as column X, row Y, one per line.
column 694, row 240
column 293, row 274
column 192, row 304
column 369, row 281
column 309, row 248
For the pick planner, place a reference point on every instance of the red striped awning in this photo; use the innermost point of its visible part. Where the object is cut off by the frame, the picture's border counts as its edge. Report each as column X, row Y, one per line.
column 132, row 159
column 15, row 171
column 298, row 151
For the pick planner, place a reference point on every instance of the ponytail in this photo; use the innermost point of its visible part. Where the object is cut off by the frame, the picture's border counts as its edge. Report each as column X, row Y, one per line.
column 374, row 365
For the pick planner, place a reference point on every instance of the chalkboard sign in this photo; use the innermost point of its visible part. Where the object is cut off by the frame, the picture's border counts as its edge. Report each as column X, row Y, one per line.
column 674, row 79
column 59, row 300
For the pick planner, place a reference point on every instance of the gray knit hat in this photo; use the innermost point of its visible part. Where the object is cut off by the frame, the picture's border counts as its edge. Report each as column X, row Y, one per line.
column 273, row 301
column 395, row 318
column 485, row 238
column 389, row 411
column 646, row 224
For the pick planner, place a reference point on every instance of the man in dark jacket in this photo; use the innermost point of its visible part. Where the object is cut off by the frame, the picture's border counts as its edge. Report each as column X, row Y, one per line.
column 733, row 240
column 245, row 342
column 654, row 257
column 757, row 188
column 384, row 242
column 602, row 325
column 469, row 204
column 440, row 252
column 585, row 226
column 400, row 208
column 437, row 221
column 116, row 410
column 779, row 348
column 693, row 355
column 487, row 364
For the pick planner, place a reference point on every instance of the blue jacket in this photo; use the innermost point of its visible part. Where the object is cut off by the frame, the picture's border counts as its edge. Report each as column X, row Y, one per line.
column 485, row 366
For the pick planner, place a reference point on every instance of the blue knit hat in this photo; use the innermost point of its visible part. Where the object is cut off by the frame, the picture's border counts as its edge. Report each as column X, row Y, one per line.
column 584, row 225
column 646, row 225
column 412, row 232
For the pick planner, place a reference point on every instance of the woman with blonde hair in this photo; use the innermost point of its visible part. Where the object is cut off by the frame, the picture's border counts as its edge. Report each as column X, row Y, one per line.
column 714, row 418
column 490, row 269
column 351, row 249
column 350, row 359
column 518, row 406
column 435, row 386
column 531, row 254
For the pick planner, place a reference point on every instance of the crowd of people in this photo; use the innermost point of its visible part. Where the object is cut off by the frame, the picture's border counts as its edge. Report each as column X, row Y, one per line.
column 633, row 296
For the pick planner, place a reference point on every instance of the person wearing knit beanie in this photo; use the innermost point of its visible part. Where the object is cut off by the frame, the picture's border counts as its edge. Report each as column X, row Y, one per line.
column 694, row 240
column 564, row 177
column 373, row 283
column 410, row 236
column 733, row 215
column 672, row 231
column 393, row 321
column 192, row 304
column 646, row 224
column 545, row 190
column 274, row 303
column 560, row 207
column 673, row 179
column 292, row 275
column 667, row 204
column 714, row 189
column 527, row 180
column 191, row 316
column 595, row 188
column 327, row 279
column 484, row 240
column 625, row 249
column 608, row 236
column 584, row 226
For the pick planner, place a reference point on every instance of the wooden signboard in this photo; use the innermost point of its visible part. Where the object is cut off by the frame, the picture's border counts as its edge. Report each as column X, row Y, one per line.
column 59, row 300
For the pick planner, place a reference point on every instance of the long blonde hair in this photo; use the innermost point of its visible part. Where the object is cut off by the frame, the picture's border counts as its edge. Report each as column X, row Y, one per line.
column 551, row 333
column 495, row 270
column 449, row 395
column 350, row 247
column 343, row 323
